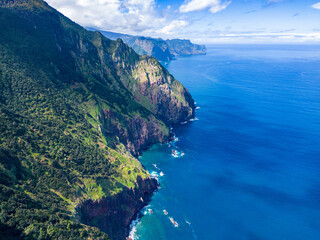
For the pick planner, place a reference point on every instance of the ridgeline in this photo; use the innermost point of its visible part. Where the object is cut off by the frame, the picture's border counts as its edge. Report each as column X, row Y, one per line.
column 163, row 50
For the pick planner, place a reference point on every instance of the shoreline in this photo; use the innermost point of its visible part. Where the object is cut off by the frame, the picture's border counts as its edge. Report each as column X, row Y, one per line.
column 140, row 214
column 106, row 210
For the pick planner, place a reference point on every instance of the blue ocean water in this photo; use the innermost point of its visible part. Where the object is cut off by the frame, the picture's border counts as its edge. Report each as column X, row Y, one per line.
column 251, row 168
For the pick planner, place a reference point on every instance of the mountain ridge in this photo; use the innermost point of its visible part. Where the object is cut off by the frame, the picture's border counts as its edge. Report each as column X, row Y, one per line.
column 163, row 50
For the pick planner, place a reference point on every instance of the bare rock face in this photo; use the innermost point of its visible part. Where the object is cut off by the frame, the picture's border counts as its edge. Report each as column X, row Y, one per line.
column 153, row 86
column 113, row 215
column 171, row 101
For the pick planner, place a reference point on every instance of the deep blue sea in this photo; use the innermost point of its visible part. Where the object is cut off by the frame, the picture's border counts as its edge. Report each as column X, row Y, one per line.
column 251, row 160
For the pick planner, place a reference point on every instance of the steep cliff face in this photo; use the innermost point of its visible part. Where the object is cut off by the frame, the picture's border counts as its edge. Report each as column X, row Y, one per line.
column 114, row 214
column 74, row 107
column 139, row 133
column 170, row 101
column 153, row 86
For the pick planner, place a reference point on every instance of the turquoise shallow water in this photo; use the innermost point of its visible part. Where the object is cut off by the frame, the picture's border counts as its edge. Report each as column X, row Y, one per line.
column 251, row 168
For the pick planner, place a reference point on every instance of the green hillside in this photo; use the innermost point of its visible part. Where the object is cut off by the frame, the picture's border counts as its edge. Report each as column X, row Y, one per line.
column 75, row 107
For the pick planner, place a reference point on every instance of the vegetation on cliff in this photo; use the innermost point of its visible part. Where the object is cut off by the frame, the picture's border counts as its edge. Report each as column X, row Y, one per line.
column 75, row 107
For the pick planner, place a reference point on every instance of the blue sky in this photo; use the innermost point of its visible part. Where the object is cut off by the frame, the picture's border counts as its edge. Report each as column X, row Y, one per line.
column 202, row 21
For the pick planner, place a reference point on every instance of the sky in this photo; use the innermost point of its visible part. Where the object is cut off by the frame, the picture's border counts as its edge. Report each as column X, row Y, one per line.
column 202, row 21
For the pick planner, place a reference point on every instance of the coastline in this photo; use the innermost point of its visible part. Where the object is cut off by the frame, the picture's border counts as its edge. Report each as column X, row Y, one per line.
column 172, row 139
column 106, row 210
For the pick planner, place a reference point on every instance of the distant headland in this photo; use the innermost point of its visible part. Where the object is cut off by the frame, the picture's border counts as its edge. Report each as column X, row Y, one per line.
column 163, row 50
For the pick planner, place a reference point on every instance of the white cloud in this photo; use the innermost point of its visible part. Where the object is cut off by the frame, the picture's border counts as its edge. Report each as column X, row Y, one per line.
column 316, row 6
column 197, row 5
column 173, row 27
column 127, row 16
column 146, row 18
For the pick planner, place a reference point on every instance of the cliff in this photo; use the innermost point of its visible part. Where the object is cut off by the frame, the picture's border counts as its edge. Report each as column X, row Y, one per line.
column 114, row 215
column 163, row 50
column 75, row 108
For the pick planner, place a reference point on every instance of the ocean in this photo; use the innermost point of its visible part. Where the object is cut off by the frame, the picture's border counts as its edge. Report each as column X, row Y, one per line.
column 248, row 165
